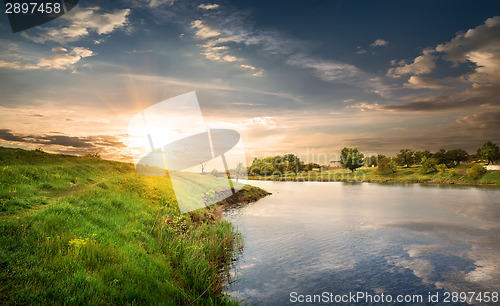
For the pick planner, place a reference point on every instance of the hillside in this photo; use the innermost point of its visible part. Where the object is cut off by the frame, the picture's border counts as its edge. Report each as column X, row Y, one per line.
column 85, row 230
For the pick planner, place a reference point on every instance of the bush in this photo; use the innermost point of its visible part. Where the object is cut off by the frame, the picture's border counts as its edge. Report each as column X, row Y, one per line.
column 476, row 171
column 93, row 155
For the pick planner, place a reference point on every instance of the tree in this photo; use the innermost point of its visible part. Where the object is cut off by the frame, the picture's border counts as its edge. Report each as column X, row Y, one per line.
column 202, row 167
column 386, row 165
column 93, row 155
column 310, row 166
column 406, row 157
column 266, row 169
column 294, row 163
column 421, row 154
column 372, row 160
column 428, row 165
column 440, row 156
column 351, row 158
column 489, row 151
column 240, row 171
column 454, row 157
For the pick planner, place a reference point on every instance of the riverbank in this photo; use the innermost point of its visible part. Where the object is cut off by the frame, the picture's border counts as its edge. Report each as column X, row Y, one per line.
column 82, row 230
column 458, row 175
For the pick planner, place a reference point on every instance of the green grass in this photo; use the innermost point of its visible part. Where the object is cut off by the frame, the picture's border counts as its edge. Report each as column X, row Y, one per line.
column 491, row 176
column 457, row 175
column 81, row 230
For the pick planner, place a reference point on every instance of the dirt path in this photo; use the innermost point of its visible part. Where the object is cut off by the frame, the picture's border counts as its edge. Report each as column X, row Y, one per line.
column 52, row 199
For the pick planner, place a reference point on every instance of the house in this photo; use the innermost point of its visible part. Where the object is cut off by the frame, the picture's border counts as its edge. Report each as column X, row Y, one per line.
column 492, row 167
column 334, row 164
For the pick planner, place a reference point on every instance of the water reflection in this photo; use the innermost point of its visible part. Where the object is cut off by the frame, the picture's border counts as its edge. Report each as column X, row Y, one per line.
column 393, row 239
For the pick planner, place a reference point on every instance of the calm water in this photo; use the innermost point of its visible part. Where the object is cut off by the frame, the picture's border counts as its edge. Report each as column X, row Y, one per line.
column 340, row 238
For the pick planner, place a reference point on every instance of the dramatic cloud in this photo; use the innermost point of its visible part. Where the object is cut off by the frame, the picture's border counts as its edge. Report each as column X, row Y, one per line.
column 479, row 46
column 452, row 99
column 379, row 43
column 65, row 60
column 478, row 87
column 423, row 82
column 234, row 29
column 6, row 134
column 61, row 61
column 80, row 23
column 482, row 121
column 423, row 64
column 62, row 140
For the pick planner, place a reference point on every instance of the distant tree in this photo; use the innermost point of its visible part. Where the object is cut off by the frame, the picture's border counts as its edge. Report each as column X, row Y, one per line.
column 386, row 165
column 454, row 157
column 421, row 154
column 93, row 155
column 239, row 171
column 440, row 156
column 266, row 169
column 372, row 160
column 406, row 157
column 310, row 166
column 293, row 163
column 202, row 167
column 489, row 151
column 256, row 167
column 428, row 165
column 351, row 158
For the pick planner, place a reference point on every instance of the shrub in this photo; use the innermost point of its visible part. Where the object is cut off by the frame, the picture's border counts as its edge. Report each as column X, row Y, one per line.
column 475, row 172
column 93, row 155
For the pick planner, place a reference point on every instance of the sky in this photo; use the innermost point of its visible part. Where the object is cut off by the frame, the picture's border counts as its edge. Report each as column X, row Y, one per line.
column 305, row 77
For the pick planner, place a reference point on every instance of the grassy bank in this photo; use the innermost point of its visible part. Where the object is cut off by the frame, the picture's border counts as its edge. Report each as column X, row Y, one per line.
column 84, row 230
column 457, row 175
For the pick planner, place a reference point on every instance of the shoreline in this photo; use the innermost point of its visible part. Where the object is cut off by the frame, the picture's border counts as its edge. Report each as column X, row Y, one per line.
column 248, row 194
column 430, row 182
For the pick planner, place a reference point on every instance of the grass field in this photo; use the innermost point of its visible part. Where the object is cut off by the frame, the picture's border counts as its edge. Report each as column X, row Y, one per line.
column 457, row 175
column 79, row 230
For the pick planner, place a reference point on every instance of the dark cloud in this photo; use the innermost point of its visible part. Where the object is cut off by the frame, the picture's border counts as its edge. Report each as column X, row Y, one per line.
column 6, row 134
column 61, row 140
column 89, row 142
column 453, row 99
column 481, row 121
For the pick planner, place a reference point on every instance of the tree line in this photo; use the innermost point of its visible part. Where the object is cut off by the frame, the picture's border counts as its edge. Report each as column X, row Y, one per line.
column 430, row 162
column 352, row 159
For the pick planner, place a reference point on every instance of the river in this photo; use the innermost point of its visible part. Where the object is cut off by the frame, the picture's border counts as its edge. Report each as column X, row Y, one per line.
column 335, row 240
